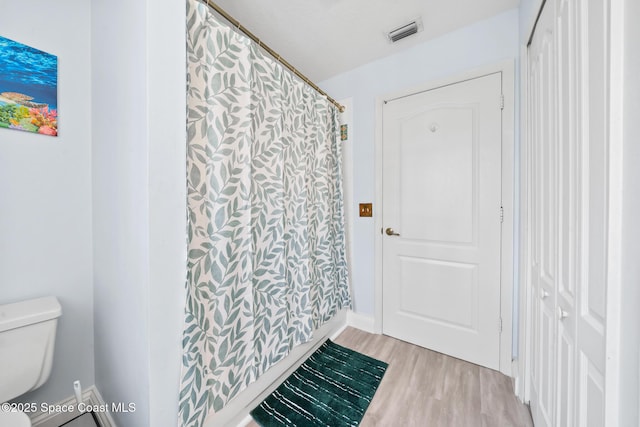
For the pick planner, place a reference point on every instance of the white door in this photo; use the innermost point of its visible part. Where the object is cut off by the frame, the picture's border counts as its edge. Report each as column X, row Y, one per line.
column 568, row 230
column 442, row 219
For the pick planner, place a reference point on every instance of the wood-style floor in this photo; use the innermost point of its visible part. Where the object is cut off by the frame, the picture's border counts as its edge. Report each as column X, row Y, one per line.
column 423, row 388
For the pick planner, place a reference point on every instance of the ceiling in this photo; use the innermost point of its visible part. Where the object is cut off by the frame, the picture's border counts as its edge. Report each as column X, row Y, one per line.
column 323, row 38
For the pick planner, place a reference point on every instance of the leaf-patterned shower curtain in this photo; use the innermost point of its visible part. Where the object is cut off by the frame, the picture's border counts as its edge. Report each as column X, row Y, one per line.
column 266, row 259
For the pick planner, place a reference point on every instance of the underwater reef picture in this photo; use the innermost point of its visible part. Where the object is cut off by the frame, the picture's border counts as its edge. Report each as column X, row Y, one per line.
column 28, row 88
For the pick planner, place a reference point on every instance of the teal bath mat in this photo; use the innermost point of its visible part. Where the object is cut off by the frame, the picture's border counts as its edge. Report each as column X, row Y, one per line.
column 333, row 387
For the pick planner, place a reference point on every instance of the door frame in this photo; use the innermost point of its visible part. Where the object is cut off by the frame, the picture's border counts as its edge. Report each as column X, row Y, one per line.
column 508, row 162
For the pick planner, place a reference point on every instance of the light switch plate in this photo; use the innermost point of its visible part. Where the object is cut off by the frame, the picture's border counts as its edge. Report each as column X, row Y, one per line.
column 366, row 209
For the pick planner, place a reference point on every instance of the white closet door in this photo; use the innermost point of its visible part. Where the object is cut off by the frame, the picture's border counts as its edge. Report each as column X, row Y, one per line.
column 568, row 63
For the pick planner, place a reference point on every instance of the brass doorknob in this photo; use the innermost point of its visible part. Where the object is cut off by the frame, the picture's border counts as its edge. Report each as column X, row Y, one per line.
column 390, row 232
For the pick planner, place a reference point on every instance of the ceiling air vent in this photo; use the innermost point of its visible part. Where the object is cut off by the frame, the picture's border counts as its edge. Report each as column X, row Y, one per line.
column 406, row 30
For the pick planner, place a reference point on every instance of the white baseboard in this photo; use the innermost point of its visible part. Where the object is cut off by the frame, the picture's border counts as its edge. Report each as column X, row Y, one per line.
column 363, row 322
column 236, row 412
column 67, row 409
column 518, row 388
column 245, row 421
column 337, row 333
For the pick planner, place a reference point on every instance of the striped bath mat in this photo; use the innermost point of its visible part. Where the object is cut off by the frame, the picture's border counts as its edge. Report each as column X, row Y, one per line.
column 333, row 387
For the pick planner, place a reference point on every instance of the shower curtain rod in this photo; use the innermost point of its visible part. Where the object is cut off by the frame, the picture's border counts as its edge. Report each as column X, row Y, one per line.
column 272, row 52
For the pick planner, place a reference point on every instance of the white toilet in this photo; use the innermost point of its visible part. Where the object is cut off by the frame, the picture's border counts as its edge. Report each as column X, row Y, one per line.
column 27, row 338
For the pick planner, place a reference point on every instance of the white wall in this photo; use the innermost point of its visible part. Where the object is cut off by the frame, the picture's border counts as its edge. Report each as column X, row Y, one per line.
column 166, row 74
column 45, row 192
column 139, row 204
column 120, row 205
column 483, row 43
column 528, row 12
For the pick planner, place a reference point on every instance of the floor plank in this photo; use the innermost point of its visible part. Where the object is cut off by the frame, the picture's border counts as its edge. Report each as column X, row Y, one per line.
column 425, row 388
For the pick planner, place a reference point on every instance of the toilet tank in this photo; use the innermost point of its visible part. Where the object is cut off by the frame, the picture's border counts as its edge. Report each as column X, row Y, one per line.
column 27, row 338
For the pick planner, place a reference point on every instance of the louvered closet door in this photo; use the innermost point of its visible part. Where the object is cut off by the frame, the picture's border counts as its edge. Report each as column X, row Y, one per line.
column 568, row 201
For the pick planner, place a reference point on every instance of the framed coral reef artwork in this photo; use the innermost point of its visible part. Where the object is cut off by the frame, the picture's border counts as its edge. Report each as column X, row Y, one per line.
column 28, row 88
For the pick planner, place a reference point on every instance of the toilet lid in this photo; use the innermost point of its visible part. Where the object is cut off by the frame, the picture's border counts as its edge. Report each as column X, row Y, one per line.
column 14, row 419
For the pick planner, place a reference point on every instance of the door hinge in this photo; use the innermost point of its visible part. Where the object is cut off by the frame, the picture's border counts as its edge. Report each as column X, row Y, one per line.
column 501, row 214
column 500, row 324
column 502, row 102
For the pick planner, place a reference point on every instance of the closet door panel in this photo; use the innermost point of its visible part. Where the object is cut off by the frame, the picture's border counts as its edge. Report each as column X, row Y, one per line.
column 591, row 399
column 594, row 49
column 569, row 237
column 568, row 184
column 592, row 292
column 566, row 375
column 547, row 366
column 534, row 237
column 569, row 154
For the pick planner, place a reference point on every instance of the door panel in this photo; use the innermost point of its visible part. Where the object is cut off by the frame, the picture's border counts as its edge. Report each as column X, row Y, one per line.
column 438, row 146
column 569, row 217
column 442, row 194
column 423, row 297
column 590, row 310
column 566, row 395
column 591, row 394
column 546, row 365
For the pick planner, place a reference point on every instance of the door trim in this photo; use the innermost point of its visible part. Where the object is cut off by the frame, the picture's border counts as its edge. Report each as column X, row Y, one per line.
column 508, row 162
column 522, row 386
column 615, row 194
